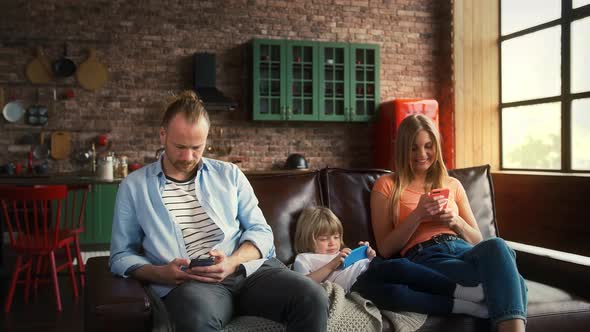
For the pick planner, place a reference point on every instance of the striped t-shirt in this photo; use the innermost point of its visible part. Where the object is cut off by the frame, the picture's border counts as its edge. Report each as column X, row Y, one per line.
column 200, row 233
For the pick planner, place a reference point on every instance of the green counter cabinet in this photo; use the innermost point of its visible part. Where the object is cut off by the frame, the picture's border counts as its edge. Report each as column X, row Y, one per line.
column 98, row 216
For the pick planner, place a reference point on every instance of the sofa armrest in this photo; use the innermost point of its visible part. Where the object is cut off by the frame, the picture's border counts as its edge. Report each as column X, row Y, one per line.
column 113, row 303
column 559, row 269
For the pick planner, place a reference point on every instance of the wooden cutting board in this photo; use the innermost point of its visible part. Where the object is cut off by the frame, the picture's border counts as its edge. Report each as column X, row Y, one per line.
column 61, row 145
column 38, row 71
column 91, row 74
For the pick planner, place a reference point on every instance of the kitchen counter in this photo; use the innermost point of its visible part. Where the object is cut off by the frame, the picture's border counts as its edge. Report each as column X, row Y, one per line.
column 54, row 179
column 84, row 178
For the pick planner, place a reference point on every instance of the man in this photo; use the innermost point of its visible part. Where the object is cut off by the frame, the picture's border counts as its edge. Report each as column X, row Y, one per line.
column 184, row 207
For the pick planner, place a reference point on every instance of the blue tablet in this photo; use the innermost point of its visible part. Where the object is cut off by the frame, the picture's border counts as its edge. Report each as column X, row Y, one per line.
column 355, row 256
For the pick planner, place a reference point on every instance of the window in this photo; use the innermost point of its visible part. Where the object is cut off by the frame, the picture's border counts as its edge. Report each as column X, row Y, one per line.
column 545, row 85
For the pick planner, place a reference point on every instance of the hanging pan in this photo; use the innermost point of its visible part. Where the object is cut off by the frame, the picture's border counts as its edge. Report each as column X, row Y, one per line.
column 64, row 67
column 41, row 151
column 13, row 110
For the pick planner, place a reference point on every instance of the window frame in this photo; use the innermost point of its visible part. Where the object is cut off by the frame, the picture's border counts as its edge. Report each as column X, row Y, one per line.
column 568, row 15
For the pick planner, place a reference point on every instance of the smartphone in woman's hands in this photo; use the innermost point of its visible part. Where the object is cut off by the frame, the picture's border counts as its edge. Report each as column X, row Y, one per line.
column 444, row 192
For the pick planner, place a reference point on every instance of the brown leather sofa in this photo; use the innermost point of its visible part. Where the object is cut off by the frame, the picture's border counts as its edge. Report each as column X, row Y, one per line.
column 558, row 291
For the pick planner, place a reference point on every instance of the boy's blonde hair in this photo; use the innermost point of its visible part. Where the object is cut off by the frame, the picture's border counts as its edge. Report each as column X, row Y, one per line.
column 312, row 223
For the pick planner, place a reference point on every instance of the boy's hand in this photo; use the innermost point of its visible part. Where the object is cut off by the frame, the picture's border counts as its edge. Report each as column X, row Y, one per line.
column 371, row 253
column 337, row 261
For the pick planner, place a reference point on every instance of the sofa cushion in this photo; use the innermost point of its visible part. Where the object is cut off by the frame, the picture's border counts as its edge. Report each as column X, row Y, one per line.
column 477, row 182
column 348, row 194
column 282, row 197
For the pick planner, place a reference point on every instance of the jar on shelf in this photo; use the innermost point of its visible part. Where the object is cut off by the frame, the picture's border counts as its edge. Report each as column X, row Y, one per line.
column 123, row 167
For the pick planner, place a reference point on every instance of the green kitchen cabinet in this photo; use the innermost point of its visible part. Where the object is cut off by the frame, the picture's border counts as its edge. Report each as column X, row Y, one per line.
column 285, row 81
column 314, row 81
column 349, row 81
column 98, row 216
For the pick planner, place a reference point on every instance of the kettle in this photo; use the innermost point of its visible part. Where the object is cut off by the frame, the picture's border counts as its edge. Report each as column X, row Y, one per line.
column 296, row 161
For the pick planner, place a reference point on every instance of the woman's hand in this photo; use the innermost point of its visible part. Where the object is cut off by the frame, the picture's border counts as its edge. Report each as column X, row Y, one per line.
column 429, row 207
column 370, row 251
column 449, row 218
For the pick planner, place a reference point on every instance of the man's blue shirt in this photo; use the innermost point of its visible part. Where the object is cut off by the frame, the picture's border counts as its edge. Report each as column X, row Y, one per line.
column 145, row 233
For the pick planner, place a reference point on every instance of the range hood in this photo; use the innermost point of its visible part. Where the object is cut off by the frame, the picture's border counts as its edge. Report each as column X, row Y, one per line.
column 205, row 81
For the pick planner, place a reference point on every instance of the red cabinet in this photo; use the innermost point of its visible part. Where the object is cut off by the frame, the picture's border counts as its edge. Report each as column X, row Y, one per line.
column 391, row 114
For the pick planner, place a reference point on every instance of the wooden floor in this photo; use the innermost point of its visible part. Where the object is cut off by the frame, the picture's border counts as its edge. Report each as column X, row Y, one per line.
column 41, row 314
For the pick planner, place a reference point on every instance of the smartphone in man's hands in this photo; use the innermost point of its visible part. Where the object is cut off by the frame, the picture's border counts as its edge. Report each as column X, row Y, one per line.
column 444, row 192
column 206, row 261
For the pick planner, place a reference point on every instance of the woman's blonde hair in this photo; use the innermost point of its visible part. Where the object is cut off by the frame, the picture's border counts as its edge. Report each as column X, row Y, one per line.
column 187, row 103
column 312, row 223
column 404, row 174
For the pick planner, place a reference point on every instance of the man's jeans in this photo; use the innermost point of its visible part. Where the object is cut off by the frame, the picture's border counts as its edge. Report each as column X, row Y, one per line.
column 272, row 292
column 491, row 263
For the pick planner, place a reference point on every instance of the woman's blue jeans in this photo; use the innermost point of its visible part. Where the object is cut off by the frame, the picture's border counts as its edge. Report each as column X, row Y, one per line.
column 491, row 263
column 402, row 285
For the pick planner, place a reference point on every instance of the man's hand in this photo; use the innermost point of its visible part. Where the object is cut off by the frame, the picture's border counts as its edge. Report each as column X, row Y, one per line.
column 169, row 274
column 223, row 267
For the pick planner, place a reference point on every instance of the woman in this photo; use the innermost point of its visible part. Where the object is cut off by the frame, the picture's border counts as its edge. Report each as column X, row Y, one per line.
column 442, row 233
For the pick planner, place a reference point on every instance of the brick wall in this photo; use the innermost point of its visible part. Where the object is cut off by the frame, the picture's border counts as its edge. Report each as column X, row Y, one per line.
column 147, row 46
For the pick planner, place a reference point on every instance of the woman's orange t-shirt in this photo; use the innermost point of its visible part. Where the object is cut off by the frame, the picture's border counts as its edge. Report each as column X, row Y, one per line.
column 408, row 203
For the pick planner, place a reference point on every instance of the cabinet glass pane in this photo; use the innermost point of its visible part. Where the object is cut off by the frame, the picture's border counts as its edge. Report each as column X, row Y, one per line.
column 296, row 89
column 370, row 58
column 275, row 71
column 339, row 73
column 339, row 88
column 275, row 89
column 360, row 56
column 328, row 89
column 370, row 107
column 275, row 107
column 522, row 78
column 360, row 107
column 329, row 74
column 264, row 52
column 307, row 89
column 360, row 75
column 339, row 109
column 369, row 90
column 580, row 81
column 296, row 107
column 275, row 53
column 328, row 107
column 307, row 107
column 264, row 109
column 531, row 136
column 339, row 56
column 264, row 90
column 522, row 14
column 360, row 90
column 581, row 135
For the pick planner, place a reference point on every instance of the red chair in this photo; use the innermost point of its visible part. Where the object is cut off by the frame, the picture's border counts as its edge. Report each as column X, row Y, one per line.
column 33, row 218
column 74, row 215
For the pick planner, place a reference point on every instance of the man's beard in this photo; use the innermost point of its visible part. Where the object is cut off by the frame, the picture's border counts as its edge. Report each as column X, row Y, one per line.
column 184, row 165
